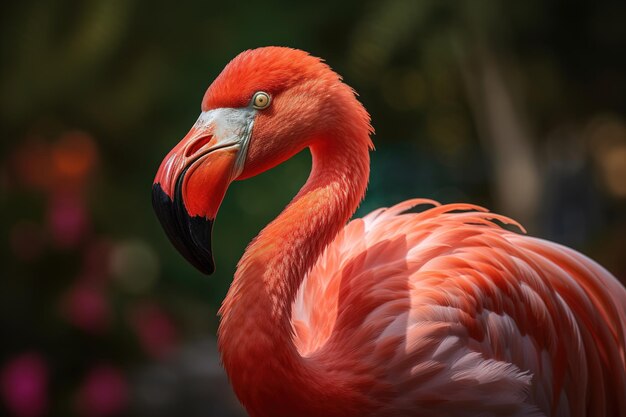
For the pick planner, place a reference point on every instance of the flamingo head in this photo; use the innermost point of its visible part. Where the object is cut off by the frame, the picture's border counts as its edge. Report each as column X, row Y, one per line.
column 265, row 106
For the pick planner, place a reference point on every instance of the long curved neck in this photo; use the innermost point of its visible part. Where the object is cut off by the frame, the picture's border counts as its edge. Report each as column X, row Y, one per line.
column 256, row 335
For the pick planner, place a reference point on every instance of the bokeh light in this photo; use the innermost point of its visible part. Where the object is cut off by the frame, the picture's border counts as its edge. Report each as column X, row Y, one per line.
column 24, row 380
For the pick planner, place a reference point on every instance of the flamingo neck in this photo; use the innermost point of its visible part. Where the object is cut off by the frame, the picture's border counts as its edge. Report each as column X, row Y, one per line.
column 256, row 333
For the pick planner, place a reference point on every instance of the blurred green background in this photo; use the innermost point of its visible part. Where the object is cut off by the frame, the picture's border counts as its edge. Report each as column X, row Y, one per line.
column 517, row 106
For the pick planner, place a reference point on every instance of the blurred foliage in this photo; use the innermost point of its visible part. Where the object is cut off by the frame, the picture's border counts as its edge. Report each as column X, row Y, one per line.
column 94, row 93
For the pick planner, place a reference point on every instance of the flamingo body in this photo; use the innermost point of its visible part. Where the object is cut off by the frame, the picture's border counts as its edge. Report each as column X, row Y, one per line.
column 441, row 312
column 465, row 318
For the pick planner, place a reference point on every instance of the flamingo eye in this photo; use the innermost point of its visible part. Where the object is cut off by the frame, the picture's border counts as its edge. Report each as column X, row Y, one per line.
column 260, row 100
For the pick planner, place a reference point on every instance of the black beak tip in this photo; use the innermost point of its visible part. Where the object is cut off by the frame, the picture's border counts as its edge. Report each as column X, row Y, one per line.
column 206, row 268
column 190, row 235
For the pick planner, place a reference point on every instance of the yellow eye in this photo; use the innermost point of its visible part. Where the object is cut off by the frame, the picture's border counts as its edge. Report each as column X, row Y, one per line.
column 260, row 100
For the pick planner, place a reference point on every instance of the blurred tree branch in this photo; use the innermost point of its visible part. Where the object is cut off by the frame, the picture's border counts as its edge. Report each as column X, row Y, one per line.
column 499, row 118
column 503, row 128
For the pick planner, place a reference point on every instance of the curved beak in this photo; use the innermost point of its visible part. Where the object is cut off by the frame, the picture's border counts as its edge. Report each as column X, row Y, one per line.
column 193, row 178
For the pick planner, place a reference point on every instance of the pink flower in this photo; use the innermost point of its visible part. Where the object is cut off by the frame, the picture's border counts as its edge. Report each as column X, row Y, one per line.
column 25, row 385
column 103, row 393
column 67, row 219
column 155, row 329
column 86, row 307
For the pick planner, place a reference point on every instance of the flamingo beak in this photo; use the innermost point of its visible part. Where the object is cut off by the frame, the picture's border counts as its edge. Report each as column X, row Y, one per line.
column 193, row 178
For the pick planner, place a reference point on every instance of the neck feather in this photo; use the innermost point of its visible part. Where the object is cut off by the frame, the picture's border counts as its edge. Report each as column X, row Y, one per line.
column 256, row 335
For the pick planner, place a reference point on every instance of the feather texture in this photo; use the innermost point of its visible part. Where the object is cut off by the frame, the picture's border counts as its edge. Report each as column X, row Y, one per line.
column 453, row 310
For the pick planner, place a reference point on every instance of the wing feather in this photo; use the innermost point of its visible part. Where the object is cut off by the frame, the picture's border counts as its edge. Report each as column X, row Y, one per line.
column 458, row 316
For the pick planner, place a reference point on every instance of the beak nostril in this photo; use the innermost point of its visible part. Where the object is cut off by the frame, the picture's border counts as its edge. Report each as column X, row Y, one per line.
column 197, row 145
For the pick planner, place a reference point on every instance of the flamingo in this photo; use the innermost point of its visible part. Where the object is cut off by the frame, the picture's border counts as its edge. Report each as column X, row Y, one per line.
column 404, row 312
